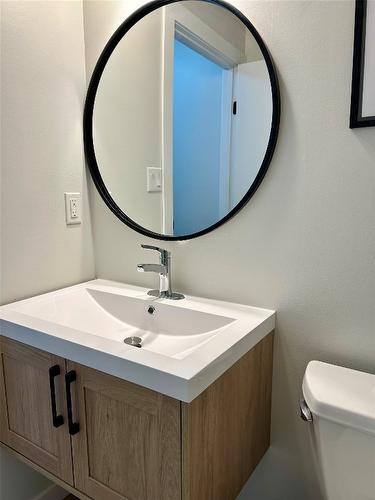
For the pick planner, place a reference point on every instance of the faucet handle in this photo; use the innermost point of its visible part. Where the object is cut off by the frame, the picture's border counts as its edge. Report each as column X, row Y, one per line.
column 162, row 251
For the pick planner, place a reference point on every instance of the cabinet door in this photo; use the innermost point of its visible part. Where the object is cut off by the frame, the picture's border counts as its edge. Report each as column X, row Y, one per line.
column 128, row 445
column 26, row 418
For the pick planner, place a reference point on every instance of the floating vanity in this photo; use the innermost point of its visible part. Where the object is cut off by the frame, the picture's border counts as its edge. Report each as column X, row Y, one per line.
column 184, row 416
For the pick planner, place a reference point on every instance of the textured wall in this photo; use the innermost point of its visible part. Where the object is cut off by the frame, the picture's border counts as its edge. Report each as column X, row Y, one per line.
column 42, row 91
column 304, row 245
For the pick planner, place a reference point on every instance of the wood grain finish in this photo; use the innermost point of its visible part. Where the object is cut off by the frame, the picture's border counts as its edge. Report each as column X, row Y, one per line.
column 226, row 430
column 134, row 443
column 25, row 414
column 129, row 443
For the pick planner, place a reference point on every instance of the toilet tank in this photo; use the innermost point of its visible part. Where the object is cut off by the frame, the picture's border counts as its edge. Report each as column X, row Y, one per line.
column 342, row 406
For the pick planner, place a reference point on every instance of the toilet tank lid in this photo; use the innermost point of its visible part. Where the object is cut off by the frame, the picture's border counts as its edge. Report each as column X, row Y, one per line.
column 340, row 394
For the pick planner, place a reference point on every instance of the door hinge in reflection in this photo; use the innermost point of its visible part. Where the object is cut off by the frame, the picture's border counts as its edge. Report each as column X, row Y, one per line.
column 234, row 107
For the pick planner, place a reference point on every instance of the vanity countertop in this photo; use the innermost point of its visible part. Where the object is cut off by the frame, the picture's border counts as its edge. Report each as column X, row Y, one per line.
column 186, row 344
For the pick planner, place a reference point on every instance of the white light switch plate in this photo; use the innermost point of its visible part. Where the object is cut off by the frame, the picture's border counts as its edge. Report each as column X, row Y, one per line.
column 73, row 208
column 153, row 179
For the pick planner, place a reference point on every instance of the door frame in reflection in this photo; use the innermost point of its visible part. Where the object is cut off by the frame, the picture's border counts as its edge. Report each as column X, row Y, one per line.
column 182, row 25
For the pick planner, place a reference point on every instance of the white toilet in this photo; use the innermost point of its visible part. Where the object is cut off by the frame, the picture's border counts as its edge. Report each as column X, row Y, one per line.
column 340, row 403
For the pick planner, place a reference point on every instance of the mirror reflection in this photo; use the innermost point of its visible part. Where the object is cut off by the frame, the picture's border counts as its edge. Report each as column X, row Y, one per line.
column 182, row 117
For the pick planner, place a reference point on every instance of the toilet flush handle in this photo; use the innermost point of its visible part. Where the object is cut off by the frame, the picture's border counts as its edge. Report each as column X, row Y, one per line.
column 306, row 414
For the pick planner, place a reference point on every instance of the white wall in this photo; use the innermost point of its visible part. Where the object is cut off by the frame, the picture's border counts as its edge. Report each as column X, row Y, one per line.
column 304, row 245
column 42, row 92
column 43, row 77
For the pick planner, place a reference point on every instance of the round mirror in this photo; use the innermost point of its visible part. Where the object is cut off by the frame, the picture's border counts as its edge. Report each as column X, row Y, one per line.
column 181, row 117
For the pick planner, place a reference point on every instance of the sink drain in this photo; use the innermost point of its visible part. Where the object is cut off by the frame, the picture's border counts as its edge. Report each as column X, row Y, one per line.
column 134, row 341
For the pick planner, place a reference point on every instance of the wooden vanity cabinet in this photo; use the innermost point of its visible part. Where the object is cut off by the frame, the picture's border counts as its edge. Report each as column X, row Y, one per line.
column 125, row 442
column 26, row 423
column 128, row 445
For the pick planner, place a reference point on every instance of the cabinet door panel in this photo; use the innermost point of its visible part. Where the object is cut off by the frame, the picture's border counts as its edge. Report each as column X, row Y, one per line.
column 26, row 411
column 128, row 446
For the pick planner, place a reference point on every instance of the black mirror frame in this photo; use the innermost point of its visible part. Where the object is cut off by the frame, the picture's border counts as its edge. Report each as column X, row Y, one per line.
column 356, row 119
column 89, row 108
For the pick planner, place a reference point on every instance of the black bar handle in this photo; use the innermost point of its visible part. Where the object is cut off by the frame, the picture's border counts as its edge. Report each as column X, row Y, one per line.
column 70, row 377
column 57, row 420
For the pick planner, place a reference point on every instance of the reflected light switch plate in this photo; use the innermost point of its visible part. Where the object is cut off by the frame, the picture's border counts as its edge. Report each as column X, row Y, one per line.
column 153, row 179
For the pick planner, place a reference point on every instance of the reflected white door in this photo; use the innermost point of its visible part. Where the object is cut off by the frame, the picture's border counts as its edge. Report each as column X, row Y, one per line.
column 250, row 126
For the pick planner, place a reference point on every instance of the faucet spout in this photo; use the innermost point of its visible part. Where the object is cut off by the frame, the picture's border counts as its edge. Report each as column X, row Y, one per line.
column 151, row 268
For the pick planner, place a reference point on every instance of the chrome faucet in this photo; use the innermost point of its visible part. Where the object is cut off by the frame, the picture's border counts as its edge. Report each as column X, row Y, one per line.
column 164, row 271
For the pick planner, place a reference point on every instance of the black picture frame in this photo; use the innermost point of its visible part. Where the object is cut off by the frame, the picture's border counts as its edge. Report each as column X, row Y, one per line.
column 88, row 120
column 356, row 118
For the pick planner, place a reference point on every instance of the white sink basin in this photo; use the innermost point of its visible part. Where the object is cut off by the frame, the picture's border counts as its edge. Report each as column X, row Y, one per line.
column 185, row 344
column 169, row 330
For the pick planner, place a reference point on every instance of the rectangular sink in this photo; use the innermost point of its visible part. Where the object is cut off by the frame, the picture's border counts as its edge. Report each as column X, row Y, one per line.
column 171, row 331
column 185, row 345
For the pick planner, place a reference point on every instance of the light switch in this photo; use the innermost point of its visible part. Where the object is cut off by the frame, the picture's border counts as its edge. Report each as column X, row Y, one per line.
column 73, row 208
column 153, row 179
